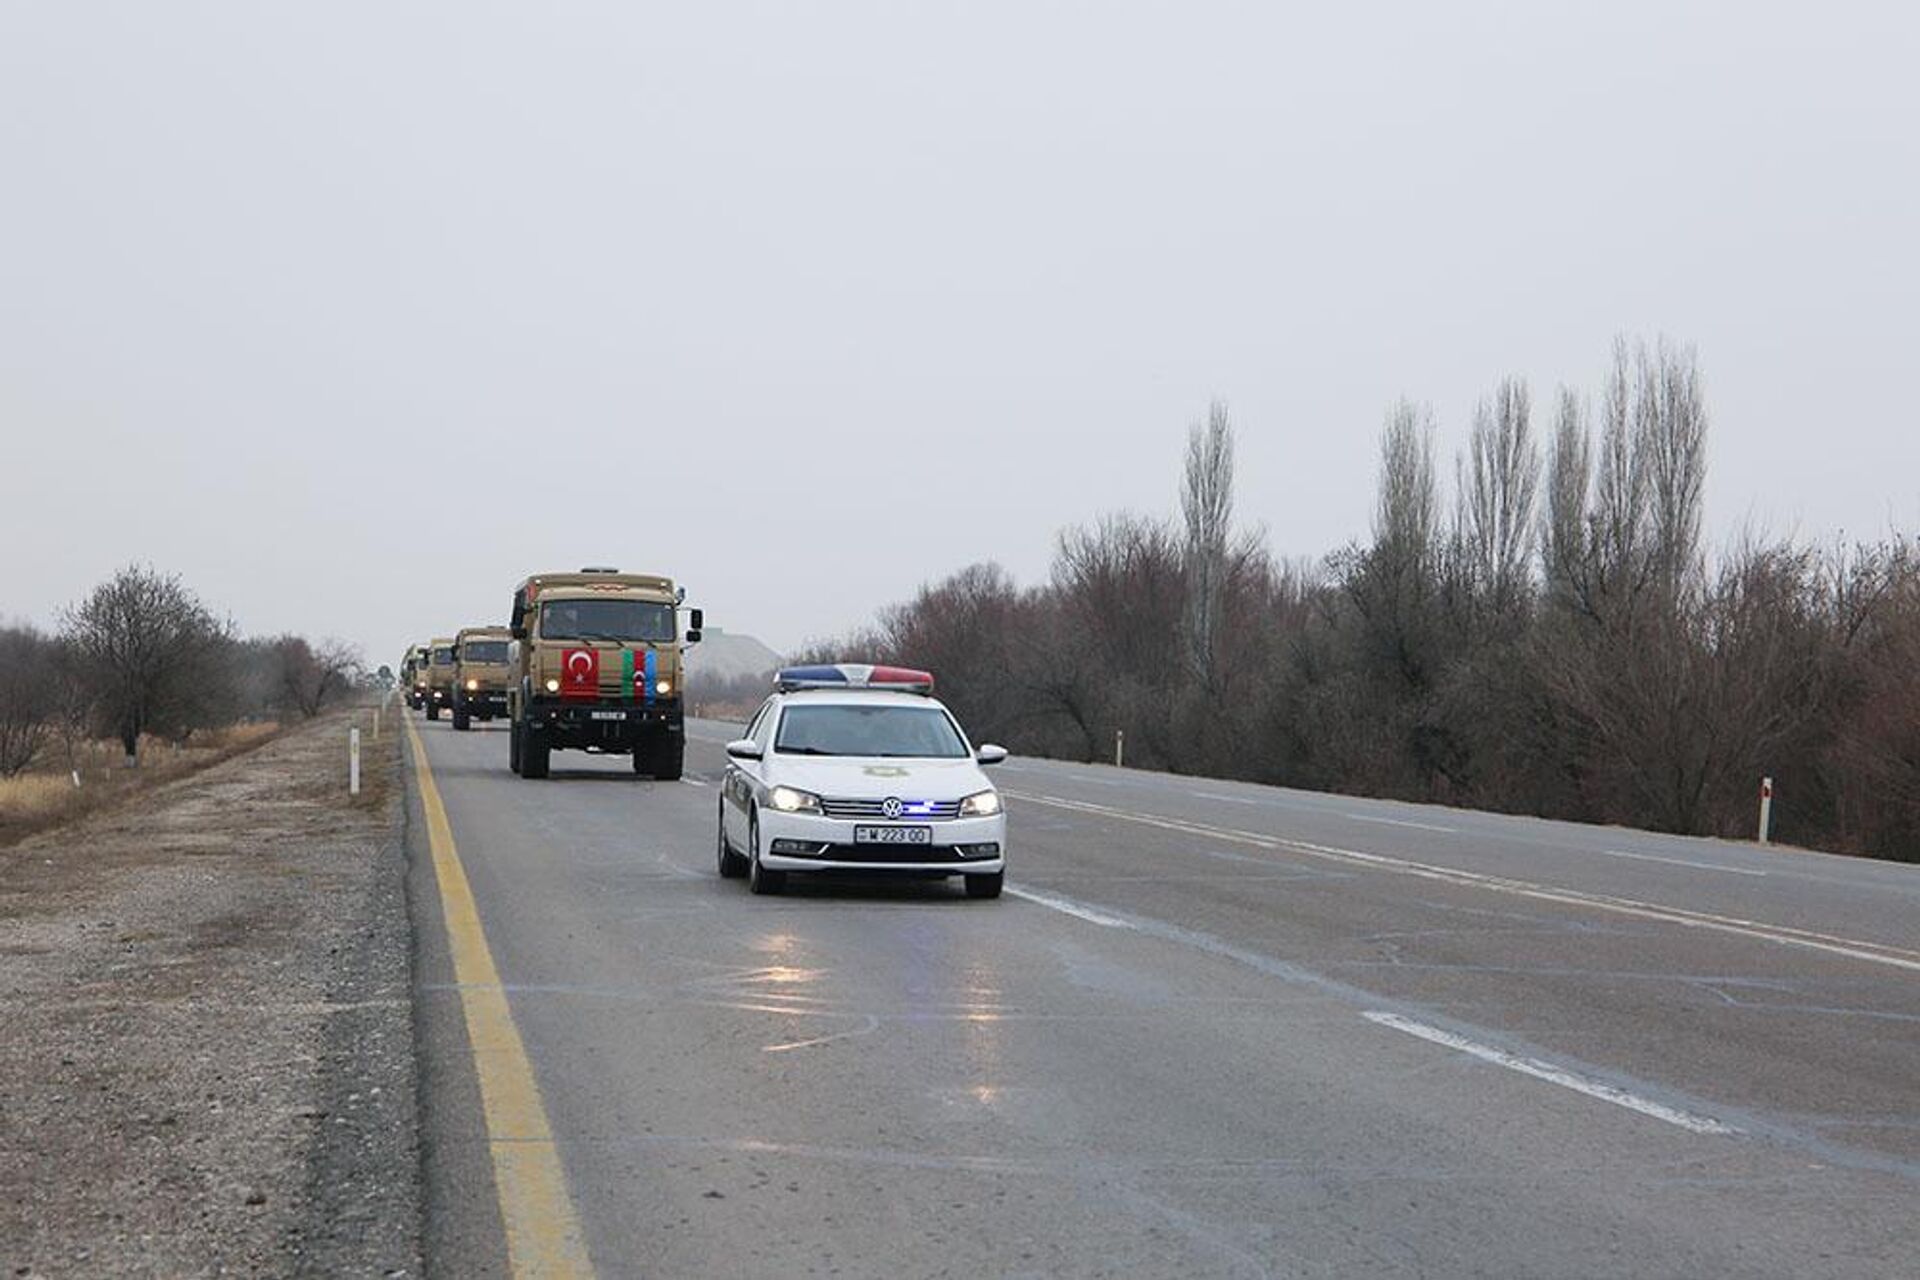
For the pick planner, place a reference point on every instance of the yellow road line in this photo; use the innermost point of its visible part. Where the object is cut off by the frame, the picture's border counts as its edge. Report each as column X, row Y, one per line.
column 543, row 1230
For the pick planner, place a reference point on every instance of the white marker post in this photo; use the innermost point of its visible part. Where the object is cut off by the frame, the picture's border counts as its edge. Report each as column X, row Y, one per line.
column 1766, row 808
column 1119, row 748
column 353, row 762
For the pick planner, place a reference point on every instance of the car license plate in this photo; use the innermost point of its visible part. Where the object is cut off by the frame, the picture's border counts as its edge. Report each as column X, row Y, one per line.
column 893, row 835
column 606, row 715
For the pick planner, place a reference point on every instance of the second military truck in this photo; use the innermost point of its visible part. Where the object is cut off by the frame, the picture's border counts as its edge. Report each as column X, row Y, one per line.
column 596, row 667
column 481, row 674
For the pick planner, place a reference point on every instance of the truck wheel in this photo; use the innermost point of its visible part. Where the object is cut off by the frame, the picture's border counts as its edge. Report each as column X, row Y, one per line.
column 669, row 759
column 985, row 886
column 759, row 879
column 533, row 753
column 513, row 746
column 461, row 720
column 433, row 711
column 732, row 865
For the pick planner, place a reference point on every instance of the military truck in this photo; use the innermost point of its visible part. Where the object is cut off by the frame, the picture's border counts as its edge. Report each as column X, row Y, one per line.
column 596, row 658
column 441, row 665
column 413, row 677
column 481, row 674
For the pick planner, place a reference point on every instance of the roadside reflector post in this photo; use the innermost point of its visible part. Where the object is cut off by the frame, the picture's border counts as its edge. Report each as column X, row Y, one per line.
column 76, row 779
column 1766, row 808
column 1119, row 748
column 353, row 762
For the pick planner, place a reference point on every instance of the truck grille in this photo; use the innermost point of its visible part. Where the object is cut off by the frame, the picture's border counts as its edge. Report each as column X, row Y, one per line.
column 910, row 810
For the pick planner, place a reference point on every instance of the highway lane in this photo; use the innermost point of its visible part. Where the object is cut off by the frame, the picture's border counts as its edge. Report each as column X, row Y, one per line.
column 1195, row 1049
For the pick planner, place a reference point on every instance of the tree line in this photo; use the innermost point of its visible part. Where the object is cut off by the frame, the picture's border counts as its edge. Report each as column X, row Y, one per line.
column 1547, row 635
column 143, row 655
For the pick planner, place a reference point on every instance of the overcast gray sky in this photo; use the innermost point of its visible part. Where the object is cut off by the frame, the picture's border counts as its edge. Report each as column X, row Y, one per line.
column 355, row 314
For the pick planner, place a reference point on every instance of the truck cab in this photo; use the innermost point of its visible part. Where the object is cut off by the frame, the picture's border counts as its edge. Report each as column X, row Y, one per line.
column 481, row 674
column 596, row 659
column 442, row 663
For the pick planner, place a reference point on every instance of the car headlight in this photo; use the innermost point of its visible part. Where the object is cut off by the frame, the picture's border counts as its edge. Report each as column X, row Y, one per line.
column 663, row 687
column 982, row 804
column 472, row 685
column 793, row 800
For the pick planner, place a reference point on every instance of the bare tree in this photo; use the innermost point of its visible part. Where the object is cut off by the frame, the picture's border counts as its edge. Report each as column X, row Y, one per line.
column 313, row 677
column 148, row 651
column 1206, row 503
column 29, row 696
column 1498, row 490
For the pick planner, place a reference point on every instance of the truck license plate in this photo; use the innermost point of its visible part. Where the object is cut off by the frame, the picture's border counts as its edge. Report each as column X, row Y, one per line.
column 606, row 715
column 893, row 835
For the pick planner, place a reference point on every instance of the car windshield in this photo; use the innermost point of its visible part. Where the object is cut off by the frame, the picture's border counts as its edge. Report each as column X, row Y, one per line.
column 606, row 620
column 924, row 732
column 485, row 651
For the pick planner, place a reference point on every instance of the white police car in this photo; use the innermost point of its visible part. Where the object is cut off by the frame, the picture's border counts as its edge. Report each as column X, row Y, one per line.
column 858, row 768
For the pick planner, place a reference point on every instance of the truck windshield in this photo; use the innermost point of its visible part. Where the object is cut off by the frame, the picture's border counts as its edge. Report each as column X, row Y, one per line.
column 920, row 732
column 484, row 651
column 606, row 620
column 443, row 657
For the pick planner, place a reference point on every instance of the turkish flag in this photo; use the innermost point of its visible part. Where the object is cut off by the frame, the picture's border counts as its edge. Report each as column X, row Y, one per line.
column 580, row 673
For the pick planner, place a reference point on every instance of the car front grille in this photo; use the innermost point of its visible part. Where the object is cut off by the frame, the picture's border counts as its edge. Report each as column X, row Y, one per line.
column 910, row 810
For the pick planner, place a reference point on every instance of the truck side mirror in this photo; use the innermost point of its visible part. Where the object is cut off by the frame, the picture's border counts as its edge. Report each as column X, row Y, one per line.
column 693, row 635
column 518, row 633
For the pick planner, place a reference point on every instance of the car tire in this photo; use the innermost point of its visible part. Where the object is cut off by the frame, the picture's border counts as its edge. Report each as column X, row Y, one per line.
column 985, row 886
column 732, row 865
column 760, row 879
column 513, row 746
column 534, row 753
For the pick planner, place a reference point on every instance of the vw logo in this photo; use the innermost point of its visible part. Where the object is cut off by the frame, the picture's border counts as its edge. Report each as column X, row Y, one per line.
column 891, row 806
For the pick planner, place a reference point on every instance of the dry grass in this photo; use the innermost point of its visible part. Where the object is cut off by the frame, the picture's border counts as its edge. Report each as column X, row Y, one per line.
column 46, row 795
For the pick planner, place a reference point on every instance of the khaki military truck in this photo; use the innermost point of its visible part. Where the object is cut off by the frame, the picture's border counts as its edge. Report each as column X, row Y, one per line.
column 481, row 674
column 442, row 663
column 596, row 658
column 413, row 677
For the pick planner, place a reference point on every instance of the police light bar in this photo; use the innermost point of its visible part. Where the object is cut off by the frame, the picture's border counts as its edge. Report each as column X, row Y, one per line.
column 854, row 675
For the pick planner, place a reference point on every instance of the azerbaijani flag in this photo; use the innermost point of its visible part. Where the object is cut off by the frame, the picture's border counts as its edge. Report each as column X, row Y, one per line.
column 638, row 683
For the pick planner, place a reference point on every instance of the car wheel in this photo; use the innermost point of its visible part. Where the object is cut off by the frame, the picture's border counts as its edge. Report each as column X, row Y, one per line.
column 732, row 865
column 759, row 879
column 985, row 886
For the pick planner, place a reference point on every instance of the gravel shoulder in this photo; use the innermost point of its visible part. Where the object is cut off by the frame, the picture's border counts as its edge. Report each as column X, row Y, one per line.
column 208, row 1058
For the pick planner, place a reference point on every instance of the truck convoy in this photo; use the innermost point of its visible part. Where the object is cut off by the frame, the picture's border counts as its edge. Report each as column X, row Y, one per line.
column 441, row 666
column 596, row 666
column 413, row 676
column 481, row 674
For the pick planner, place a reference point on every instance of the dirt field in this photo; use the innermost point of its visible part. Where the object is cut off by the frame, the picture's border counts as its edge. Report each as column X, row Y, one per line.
column 207, row 1066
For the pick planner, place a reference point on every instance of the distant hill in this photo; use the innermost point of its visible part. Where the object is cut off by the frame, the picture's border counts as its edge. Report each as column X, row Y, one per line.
column 725, row 655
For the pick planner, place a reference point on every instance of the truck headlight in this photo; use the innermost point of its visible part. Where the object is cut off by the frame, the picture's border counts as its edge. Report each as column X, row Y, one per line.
column 983, row 804
column 663, row 687
column 553, row 686
column 472, row 685
column 793, row 800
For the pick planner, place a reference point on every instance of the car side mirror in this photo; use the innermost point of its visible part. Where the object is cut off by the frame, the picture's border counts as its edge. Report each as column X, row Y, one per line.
column 990, row 754
column 744, row 749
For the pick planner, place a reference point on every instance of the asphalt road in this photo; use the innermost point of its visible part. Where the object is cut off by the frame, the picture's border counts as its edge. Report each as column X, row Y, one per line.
column 1215, row 1030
